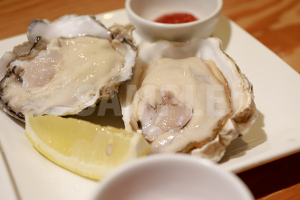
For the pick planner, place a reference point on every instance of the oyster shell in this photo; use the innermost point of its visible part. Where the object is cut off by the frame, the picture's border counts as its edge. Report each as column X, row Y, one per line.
column 188, row 97
column 65, row 66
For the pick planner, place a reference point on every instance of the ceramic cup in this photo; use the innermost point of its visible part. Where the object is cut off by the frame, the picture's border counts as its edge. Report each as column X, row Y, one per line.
column 142, row 14
column 171, row 177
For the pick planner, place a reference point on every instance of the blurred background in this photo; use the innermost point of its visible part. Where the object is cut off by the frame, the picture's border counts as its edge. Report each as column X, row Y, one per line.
column 275, row 23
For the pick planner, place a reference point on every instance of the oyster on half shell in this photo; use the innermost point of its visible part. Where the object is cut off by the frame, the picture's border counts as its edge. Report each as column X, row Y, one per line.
column 65, row 66
column 187, row 97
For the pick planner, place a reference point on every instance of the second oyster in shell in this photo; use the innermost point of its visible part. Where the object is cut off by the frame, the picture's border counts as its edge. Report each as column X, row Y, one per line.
column 188, row 97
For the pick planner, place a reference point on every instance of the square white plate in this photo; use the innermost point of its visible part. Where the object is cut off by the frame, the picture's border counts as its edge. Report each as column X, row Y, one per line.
column 275, row 134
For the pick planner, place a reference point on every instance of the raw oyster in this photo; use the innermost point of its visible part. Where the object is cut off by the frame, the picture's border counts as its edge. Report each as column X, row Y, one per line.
column 65, row 66
column 187, row 97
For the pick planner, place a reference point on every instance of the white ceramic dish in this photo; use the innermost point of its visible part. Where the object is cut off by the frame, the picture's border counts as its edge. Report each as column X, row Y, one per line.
column 175, row 177
column 7, row 190
column 142, row 14
column 274, row 135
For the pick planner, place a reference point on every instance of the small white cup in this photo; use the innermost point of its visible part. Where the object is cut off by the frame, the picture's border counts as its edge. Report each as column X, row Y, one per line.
column 171, row 177
column 142, row 14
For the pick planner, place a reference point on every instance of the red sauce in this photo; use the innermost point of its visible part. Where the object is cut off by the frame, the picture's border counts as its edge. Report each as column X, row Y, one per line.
column 176, row 18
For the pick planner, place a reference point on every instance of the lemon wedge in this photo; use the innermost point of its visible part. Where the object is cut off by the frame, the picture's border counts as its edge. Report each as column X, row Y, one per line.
column 82, row 147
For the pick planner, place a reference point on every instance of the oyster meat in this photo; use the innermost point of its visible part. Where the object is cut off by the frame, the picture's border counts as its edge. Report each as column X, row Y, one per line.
column 64, row 67
column 187, row 97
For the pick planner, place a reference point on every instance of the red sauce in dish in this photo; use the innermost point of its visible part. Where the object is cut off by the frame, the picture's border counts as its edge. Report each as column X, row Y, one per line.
column 176, row 18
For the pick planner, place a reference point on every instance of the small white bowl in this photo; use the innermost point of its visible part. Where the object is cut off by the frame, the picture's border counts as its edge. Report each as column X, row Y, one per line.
column 176, row 177
column 142, row 14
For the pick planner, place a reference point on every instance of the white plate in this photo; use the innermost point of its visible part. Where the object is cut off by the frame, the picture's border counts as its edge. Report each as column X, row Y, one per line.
column 275, row 134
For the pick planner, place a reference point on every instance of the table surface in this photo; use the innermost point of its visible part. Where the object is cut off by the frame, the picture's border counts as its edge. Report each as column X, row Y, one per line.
column 275, row 23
